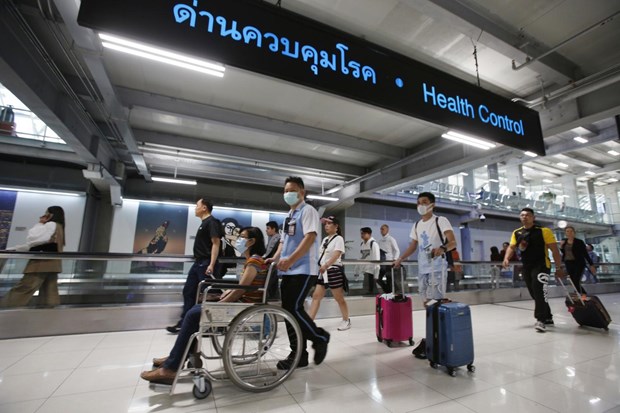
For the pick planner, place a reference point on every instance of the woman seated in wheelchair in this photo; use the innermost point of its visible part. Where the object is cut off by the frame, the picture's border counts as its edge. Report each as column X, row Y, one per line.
column 250, row 244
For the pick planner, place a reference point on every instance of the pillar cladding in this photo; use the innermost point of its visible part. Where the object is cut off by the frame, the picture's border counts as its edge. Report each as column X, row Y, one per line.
column 569, row 188
column 493, row 173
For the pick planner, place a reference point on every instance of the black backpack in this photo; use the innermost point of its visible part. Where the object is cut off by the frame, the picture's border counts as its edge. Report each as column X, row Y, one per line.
column 382, row 253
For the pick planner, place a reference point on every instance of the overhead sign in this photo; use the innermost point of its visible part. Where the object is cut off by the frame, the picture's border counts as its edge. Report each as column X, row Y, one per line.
column 259, row 37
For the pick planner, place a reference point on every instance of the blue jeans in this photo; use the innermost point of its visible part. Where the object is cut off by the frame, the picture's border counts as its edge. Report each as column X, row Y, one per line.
column 190, row 289
column 190, row 325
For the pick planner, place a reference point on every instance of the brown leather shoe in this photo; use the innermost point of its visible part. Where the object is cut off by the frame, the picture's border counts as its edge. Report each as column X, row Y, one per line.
column 159, row 376
column 158, row 362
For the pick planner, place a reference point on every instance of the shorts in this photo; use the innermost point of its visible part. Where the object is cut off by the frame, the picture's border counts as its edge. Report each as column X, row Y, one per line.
column 335, row 278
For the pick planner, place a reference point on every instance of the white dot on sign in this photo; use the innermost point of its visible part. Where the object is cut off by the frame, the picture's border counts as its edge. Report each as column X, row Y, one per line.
column 399, row 82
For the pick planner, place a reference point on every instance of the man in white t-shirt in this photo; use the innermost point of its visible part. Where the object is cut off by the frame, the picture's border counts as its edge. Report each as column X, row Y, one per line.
column 428, row 233
column 369, row 250
column 388, row 244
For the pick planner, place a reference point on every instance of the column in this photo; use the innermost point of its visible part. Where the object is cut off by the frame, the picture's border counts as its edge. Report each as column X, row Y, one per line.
column 493, row 173
column 592, row 195
column 569, row 188
column 514, row 179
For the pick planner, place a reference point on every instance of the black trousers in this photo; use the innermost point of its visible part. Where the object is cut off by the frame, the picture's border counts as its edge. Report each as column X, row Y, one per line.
column 294, row 290
column 575, row 271
column 536, row 279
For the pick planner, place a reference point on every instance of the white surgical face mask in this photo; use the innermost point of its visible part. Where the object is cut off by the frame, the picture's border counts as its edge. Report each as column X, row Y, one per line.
column 241, row 245
column 424, row 209
column 291, row 198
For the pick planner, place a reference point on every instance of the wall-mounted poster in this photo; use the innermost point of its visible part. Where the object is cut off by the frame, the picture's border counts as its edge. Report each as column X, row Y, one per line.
column 232, row 222
column 160, row 229
column 279, row 218
column 7, row 206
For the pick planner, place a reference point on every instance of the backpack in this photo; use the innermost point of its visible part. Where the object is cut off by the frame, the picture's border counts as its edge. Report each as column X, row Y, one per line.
column 449, row 254
column 382, row 253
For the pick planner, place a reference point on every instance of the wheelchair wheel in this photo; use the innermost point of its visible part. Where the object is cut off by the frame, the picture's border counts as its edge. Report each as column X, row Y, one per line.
column 256, row 341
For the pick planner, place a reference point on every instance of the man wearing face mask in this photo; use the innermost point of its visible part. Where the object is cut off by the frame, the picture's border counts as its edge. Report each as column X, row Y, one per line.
column 435, row 236
column 297, row 259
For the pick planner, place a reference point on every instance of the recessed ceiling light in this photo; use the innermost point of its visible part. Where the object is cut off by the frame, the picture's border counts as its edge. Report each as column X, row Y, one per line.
column 530, row 154
column 562, row 165
column 493, row 180
column 590, row 173
column 580, row 139
column 548, row 181
column 614, row 153
column 463, row 173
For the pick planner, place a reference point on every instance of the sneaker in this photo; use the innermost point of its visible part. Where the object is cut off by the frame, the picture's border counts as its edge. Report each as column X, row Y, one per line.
column 549, row 322
column 320, row 350
column 420, row 351
column 344, row 325
column 288, row 362
column 540, row 327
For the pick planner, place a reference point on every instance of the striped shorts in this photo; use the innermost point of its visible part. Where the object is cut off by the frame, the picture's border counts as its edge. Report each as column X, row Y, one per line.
column 335, row 277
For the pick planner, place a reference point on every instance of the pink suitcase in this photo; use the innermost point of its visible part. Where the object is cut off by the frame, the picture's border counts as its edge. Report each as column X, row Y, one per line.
column 393, row 317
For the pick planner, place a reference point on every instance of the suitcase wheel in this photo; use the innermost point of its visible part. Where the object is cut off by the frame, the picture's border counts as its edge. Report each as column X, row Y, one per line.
column 471, row 368
column 411, row 342
column 379, row 339
column 451, row 372
column 433, row 364
column 389, row 343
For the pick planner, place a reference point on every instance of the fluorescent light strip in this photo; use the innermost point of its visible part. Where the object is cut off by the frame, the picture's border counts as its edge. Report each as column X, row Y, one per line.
column 162, row 59
column 455, row 139
column 174, row 180
column 548, row 181
column 469, row 140
column 493, row 180
column 614, row 153
column 520, row 186
column 322, row 197
column 37, row 191
column 161, row 52
column 590, row 173
column 580, row 139
column 530, row 154
column 562, row 165
column 463, row 173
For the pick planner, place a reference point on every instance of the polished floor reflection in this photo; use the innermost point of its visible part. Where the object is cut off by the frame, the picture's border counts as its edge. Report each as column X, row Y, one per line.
column 567, row 369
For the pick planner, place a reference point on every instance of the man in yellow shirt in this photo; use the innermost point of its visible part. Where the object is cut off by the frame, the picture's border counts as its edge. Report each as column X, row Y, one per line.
column 533, row 241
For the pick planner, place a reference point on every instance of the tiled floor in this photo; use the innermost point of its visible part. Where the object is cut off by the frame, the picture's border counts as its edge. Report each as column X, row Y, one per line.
column 567, row 369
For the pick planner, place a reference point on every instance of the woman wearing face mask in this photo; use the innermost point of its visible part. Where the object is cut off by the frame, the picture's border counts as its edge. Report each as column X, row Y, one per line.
column 251, row 245
column 48, row 235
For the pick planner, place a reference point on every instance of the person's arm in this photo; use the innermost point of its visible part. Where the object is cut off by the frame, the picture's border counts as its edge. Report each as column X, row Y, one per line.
column 215, row 252
column 395, row 249
column 333, row 257
column 247, row 277
column 285, row 264
column 413, row 245
column 557, row 258
column 276, row 256
column 448, row 246
column 375, row 255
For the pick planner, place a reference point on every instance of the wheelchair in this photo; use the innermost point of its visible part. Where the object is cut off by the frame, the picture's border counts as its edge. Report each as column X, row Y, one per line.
column 238, row 342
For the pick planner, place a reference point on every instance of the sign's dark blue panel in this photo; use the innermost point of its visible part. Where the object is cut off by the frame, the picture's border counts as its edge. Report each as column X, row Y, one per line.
column 259, row 37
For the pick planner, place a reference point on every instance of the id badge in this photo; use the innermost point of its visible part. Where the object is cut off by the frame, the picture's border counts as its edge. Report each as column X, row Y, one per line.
column 292, row 224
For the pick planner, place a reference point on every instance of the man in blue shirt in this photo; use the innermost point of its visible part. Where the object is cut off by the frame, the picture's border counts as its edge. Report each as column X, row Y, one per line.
column 297, row 259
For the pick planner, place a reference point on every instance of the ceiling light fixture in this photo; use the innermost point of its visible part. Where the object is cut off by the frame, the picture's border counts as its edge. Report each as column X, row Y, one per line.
column 547, row 181
column 530, row 154
column 161, row 55
column 37, row 191
column 463, row 173
column 590, row 173
column 562, row 165
column 614, row 153
column 174, row 180
column 520, row 186
column 322, row 198
column 580, row 139
column 493, row 180
column 468, row 140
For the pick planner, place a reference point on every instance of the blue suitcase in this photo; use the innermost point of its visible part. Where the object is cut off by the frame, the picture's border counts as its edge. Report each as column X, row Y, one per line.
column 449, row 338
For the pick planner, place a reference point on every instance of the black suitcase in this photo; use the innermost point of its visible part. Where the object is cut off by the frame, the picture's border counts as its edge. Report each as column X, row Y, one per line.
column 588, row 311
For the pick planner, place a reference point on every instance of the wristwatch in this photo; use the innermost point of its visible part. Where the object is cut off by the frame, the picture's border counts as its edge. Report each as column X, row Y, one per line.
column 443, row 247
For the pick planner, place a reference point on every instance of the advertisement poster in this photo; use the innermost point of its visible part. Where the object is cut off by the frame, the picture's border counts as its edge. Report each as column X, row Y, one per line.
column 7, row 205
column 232, row 222
column 160, row 229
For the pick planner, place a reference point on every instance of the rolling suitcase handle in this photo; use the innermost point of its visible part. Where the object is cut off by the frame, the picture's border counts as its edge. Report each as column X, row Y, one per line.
column 402, row 283
column 568, row 293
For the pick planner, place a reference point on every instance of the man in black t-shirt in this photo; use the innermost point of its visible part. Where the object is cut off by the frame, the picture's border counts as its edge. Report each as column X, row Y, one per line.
column 206, row 251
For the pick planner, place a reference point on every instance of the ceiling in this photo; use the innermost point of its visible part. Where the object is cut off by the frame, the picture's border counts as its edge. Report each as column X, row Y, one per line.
column 113, row 108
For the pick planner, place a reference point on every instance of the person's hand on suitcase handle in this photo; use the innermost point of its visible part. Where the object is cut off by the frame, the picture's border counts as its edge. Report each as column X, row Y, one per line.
column 560, row 271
